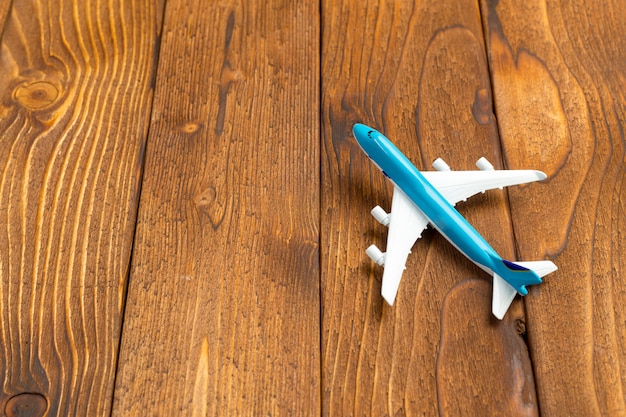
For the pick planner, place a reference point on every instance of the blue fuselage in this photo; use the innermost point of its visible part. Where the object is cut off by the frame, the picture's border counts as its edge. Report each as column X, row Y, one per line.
column 441, row 214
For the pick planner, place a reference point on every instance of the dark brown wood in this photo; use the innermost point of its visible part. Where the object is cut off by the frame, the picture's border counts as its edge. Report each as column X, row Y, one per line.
column 418, row 73
column 75, row 96
column 558, row 72
column 234, row 263
column 223, row 303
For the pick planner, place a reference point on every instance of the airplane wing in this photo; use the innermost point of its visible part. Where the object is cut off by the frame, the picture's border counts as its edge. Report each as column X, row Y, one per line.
column 458, row 186
column 406, row 224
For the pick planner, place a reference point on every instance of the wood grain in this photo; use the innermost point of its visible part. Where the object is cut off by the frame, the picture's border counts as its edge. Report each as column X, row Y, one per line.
column 417, row 72
column 558, row 72
column 5, row 7
column 223, row 303
column 234, row 264
column 75, row 97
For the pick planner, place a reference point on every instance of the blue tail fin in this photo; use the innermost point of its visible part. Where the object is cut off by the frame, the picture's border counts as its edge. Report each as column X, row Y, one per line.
column 512, row 278
column 518, row 275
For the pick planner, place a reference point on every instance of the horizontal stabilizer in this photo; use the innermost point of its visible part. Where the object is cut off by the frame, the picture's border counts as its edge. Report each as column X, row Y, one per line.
column 542, row 268
column 503, row 295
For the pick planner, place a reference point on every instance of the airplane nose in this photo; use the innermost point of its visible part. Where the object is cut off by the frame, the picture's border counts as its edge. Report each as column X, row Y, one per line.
column 360, row 131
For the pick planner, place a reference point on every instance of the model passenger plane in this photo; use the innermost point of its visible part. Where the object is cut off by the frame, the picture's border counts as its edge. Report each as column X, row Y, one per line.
column 428, row 198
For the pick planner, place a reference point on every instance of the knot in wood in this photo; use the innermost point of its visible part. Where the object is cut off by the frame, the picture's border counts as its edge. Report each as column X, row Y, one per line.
column 482, row 109
column 207, row 203
column 189, row 127
column 230, row 75
column 206, row 197
column 26, row 405
column 36, row 95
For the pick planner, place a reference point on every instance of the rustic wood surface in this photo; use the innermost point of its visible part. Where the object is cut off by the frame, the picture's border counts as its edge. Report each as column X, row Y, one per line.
column 226, row 264
column 558, row 72
column 76, row 91
column 201, row 252
column 418, row 73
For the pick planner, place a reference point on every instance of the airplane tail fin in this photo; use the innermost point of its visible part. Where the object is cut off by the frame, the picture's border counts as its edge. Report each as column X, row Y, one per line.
column 515, row 277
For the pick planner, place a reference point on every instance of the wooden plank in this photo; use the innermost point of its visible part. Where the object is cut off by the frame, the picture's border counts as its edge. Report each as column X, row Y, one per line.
column 5, row 8
column 223, row 303
column 558, row 76
column 417, row 72
column 75, row 90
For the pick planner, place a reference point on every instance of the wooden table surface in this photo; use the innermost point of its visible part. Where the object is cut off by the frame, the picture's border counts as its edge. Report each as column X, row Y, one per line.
column 184, row 211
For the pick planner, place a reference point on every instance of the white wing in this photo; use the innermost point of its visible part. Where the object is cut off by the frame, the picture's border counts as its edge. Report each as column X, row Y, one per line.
column 406, row 225
column 456, row 186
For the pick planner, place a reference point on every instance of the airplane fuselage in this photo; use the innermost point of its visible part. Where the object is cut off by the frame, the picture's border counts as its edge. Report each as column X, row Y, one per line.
column 439, row 212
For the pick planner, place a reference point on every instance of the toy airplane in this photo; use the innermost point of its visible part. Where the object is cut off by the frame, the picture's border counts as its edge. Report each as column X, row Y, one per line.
column 427, row 198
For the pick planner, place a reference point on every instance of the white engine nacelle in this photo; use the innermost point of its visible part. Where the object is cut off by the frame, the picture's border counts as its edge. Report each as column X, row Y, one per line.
column 440, row 165
column 381, row 215
column 484, row 165
column 376, row 255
